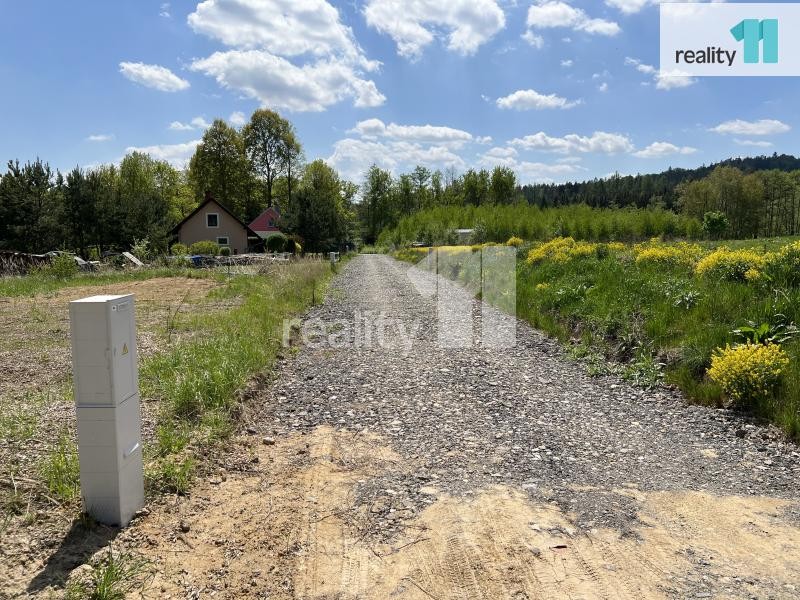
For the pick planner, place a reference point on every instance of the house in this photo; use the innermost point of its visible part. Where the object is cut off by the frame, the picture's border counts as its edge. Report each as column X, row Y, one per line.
column 266, row 224
column 212, row 221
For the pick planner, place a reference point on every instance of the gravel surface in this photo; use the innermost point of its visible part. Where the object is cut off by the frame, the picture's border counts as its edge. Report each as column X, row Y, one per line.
column 526, row 416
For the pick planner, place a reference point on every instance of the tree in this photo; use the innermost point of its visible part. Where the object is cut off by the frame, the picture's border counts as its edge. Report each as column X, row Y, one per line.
column 320, row 215
column 79, row 212
column 268, row 141
column 220, row 167
column 715, row 224
column 376, row 198
column 503, row 185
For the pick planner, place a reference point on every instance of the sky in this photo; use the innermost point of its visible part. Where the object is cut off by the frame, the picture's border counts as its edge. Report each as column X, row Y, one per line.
column 555, row 89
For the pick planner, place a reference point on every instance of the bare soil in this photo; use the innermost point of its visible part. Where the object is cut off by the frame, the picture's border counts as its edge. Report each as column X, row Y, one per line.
column 36, row 406
column 296, row 526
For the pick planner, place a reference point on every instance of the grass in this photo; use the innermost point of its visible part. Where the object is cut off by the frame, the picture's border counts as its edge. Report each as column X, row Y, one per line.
column 60, row 470
column 651, row 322
column 39, row 283
column 115, row 576
column 197, row 381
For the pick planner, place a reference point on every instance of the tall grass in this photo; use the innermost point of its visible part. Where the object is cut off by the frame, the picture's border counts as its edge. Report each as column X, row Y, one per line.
column 637, row 311
column 196, row 381
column 435, row 226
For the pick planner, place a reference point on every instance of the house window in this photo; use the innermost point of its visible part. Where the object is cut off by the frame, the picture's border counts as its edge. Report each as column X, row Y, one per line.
column 212, row 219
column 223, row 241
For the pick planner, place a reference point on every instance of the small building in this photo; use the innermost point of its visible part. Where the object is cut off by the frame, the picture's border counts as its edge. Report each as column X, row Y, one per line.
column 212, row 221
column 266, row 224
column 464, row 235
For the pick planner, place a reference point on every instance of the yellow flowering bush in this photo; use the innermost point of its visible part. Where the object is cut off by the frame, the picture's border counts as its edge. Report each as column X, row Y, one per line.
column 616, row 246
column 561, row 250
column 542, row 286
column 749, row 373
column 752, row 275
column 515, row 241
column 556, row 249
column 784, row 265
column 732, row 265
column 673, row 255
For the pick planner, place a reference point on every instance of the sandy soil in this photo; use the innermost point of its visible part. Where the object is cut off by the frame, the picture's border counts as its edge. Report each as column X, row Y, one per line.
column 296, row 527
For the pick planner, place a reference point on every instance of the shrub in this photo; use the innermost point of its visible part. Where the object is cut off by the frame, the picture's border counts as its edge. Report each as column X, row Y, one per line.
column 63, row 266
column 715, row 224
column 555, row 250
column 749, row 374
column 784, row 266
column 206, row 247
column 673, row 255
column 515, row 241
column 276, row 243
column 179, row 249
column 731, row 265
column 224, row 251
column 143, row 250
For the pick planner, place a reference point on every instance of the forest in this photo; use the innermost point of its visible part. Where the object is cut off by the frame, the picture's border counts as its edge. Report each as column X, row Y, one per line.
column 95, row 210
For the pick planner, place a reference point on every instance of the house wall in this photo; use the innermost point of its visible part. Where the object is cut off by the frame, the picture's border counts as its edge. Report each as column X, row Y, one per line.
column 195, row 229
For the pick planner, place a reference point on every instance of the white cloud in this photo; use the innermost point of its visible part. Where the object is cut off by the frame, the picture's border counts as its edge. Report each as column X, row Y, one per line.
column 483, row 139
column 603, row 87
column 762, row 127
column 498, row 152
column 275, row 81
column 164, row 10
column 664, row 80
column 175, row 154
column 662, row 149
column 633, row 6
column 281, row 27
column 153, row 76
column 288, row 54
column 753, row 143
column 374, row 128
column 567, row 63
column 196, row 123
column 414, row 25
column 100, row 137
column 531, row 99
column 533, row 39
column 352, row 157
column 237, row 118
column 599, row 142
column 547, row 14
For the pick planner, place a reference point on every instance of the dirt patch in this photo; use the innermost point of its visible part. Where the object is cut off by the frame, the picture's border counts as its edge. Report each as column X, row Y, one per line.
column 36, row 406
column 34, row 349
column 296, row 526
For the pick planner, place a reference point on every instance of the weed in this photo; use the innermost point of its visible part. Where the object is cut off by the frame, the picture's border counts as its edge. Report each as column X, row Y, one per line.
column 171, row 475
column 60, row 469
column 113, row 577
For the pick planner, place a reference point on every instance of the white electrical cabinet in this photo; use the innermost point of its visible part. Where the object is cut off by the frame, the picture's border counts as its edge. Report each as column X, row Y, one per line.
column 106, row 382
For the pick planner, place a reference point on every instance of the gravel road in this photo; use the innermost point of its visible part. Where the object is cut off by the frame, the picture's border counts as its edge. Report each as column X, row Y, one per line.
column 413, row 471
column 525, row 416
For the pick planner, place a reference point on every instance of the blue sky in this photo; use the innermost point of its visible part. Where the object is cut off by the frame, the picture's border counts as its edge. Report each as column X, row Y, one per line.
column 556, row 89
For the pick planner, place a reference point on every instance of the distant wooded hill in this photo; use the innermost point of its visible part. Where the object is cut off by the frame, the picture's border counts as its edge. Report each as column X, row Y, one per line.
column 645, row 190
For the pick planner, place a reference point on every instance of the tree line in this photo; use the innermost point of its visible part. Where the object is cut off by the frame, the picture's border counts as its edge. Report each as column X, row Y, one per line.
column 111, row 207
column 95, row 210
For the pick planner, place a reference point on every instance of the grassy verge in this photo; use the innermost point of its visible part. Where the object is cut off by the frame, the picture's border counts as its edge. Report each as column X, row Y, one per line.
column 650, row 320
column 196, row 382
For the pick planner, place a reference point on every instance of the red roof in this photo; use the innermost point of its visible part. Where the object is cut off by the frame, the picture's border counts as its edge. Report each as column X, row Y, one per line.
column 266, row 221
